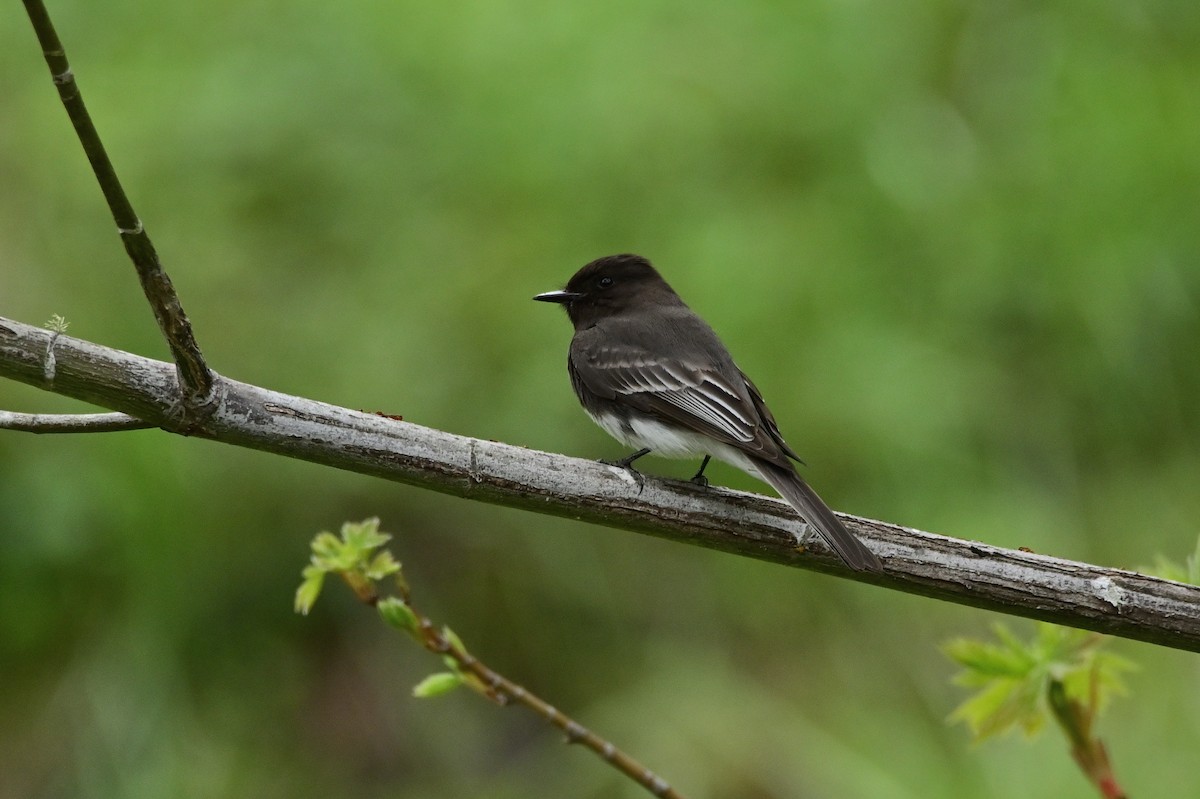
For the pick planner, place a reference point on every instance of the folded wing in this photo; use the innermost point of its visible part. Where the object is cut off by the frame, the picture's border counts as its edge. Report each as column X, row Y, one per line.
column 697, row 398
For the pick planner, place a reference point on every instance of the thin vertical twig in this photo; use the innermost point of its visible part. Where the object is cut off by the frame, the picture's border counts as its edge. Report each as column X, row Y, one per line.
column 197, row 382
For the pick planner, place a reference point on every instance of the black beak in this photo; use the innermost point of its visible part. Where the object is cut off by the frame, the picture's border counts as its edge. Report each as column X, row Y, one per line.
column 562, row 297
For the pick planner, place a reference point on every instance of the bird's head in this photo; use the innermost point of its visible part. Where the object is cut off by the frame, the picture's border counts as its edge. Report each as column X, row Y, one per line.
column 610, row 286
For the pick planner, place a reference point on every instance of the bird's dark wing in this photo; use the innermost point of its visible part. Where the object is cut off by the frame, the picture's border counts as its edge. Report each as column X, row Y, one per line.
column 767, row 417
column 698, row 398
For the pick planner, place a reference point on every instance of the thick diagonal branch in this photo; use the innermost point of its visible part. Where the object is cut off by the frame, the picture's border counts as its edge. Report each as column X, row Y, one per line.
column 1021, row 583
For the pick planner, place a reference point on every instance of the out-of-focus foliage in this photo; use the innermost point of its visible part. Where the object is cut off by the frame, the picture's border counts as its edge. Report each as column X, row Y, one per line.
column 1187, row 571
column 1013, row 678
column 1061, row 674
column 955, row 243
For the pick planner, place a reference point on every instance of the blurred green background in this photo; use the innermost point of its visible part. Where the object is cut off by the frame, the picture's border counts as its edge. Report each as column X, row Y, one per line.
column 955, row 243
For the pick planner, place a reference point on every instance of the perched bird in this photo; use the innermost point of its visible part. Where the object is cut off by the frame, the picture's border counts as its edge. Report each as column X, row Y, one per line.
column 655, row 376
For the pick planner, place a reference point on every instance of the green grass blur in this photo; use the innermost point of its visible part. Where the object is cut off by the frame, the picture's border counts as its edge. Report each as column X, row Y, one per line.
column 957, row 244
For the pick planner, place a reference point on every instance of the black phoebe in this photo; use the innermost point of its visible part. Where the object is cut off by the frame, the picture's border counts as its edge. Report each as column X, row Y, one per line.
column 655, row 376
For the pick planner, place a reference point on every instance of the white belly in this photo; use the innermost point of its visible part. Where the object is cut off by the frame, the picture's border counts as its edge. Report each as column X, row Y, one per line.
column 672, row 442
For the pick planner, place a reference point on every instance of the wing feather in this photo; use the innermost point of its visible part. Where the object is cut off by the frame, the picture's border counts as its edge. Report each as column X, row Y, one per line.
column 698, row 398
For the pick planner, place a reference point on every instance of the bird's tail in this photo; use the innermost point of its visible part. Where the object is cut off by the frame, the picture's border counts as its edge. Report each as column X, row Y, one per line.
column 800, row 496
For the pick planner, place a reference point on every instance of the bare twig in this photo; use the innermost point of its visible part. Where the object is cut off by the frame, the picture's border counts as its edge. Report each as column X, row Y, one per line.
column 195, row 378
column 1112, row 601
column 70, row 422
column 503, row 691
column 356, row 556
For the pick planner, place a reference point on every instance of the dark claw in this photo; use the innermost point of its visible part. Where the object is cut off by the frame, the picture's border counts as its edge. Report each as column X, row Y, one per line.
column 638, row 477
column 698, row 478
column 626, row 463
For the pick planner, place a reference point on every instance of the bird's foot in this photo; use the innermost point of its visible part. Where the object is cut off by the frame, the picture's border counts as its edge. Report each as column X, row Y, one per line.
column 626, row 463
column 637, row 476
column 700, row 480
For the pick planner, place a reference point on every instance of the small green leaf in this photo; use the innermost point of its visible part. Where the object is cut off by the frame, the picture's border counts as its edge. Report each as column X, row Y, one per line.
column 309, row 590
column 364, row 536
column 1097, row 679
column 1007, row 637
column 437, row 684
column 455, row 642
column 326, row 544
column 57, row 324
column 1000, row 705
column 984, row 660
column 327, row 551
column 1053, row 640
column 382, row 565
column 398, row 614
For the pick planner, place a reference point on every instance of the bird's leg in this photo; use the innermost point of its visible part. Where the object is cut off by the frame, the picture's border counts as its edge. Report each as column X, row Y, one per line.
column 626, row 463
column 698, row 478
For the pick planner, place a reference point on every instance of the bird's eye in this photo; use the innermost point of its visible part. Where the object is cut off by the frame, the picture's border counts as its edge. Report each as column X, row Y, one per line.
column 605, row 282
